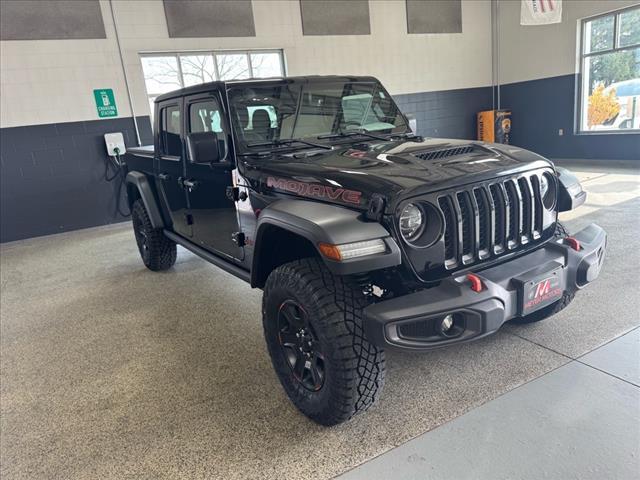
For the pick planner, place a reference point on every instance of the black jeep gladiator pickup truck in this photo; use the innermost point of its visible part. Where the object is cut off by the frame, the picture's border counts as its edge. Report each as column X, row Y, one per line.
column 363, row 235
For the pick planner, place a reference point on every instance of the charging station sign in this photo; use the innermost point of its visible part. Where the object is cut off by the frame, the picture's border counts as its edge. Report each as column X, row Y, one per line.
column 105, row 103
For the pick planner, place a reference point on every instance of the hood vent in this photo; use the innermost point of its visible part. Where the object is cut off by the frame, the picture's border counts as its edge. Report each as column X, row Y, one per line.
column 449, row 152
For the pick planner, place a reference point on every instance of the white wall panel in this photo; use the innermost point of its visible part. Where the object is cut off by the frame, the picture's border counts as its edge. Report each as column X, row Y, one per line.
column 532, row 52
column 53, row 80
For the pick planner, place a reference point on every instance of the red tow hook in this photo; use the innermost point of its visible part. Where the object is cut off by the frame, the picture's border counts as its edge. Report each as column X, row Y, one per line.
column 573, row 243
column 476, row 282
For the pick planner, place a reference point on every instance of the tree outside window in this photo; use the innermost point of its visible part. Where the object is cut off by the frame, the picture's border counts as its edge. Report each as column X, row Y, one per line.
column 171, row 71
column 610, row 62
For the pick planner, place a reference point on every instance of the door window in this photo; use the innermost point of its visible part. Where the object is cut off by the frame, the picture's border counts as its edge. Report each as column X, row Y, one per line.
column 206, row 116
column 170, row 131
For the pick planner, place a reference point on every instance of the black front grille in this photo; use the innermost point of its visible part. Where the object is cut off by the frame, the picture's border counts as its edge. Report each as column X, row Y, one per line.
column 419, row 329
column 449, row 219
column 449, row 152
column 490, row 219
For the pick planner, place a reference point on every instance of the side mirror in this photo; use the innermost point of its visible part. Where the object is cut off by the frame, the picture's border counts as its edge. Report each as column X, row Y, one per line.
column 203, row 147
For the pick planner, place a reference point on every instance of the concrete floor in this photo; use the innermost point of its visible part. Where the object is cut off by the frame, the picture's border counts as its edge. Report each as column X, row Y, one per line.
column 111, row 371
column 575, row 422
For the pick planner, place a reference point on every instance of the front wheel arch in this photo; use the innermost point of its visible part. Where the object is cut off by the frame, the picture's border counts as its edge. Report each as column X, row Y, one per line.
column 276, row 246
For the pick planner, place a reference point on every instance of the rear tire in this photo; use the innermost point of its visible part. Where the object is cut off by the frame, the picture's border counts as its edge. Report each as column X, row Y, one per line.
column 157, row 251
column 315, row 318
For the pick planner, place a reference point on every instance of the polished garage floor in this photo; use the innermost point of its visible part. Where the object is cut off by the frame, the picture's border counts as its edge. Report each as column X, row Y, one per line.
column 111, row 371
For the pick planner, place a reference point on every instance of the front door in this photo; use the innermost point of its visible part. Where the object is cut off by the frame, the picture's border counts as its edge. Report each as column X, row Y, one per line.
column 215, row 220
column 170, row 166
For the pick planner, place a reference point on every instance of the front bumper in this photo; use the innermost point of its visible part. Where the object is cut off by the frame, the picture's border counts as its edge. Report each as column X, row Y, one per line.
column 411, row 322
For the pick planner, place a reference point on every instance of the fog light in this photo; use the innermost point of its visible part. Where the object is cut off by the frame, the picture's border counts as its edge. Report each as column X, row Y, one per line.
column 446, row 324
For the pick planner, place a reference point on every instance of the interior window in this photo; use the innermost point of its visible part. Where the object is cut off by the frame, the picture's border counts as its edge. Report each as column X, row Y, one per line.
column 170, row 71
column 610, row 90
column 171, row 128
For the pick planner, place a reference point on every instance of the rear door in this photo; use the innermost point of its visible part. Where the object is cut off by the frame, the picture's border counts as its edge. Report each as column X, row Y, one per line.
column 215, row 220
column 170, row 165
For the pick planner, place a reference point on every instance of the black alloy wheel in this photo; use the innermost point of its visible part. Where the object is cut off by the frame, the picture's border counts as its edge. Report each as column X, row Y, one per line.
column 299, row 345
column 142, row 239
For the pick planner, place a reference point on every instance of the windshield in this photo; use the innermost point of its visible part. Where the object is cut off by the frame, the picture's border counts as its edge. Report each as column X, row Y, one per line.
column 276, row 113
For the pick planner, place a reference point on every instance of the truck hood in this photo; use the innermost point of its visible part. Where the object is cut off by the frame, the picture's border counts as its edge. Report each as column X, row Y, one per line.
column 350, row 175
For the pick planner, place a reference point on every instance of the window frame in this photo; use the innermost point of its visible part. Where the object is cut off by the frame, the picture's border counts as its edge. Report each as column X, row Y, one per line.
column 214, row 53
column 582, row 56
column 162, row 123
column 224, row 135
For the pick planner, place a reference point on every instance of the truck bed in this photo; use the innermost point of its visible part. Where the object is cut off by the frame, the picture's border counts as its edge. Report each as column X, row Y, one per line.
column 140, row 158
column 144, row 151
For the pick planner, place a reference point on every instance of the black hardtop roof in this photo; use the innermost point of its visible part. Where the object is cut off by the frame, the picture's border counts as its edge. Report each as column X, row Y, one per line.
column 206, row 87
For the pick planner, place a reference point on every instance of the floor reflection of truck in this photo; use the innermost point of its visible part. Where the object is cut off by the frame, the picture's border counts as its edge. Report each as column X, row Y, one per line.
column 628, row 94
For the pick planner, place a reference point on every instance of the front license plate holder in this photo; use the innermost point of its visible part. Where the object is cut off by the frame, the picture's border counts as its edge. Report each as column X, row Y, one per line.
column 540, row 291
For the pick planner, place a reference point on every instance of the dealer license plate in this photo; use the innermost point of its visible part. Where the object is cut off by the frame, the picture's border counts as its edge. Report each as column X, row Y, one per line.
column 541, row 291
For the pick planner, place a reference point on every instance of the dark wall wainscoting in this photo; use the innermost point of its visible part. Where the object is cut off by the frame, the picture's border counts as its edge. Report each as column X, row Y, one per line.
column 52, row 176
column 539, row 108
column 448, row 113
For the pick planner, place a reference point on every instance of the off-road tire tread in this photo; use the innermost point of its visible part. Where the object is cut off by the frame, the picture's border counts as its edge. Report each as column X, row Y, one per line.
column 339, row 303
column 162, row 252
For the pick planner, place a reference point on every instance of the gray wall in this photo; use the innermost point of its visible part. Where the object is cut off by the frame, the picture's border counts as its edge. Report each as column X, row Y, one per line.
column 446, row 114
column 539, row 108
column 52, row 176
column 434, row 16
column 335, row 17
column 50, row 20
column 213, row 18
column 538, row 73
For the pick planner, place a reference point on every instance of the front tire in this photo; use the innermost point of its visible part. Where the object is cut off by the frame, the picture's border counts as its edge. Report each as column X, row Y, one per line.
column 313, row 329
column 157, row 251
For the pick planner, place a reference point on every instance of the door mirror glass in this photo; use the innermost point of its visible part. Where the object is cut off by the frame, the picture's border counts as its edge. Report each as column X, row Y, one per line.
column 203, row 147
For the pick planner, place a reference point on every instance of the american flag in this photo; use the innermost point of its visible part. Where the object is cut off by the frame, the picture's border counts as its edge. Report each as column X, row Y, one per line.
column 540, row 12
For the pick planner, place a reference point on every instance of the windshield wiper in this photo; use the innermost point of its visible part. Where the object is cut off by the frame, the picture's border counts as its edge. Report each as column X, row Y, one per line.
column 352, row 133
column 288, row 141
column 408, row 135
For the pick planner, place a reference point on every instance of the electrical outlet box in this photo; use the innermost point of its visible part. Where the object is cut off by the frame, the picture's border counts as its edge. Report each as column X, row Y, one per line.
column 115, row 141
column 560, row 132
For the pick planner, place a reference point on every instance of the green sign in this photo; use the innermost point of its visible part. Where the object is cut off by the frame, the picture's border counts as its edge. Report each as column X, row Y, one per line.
column 105, row 103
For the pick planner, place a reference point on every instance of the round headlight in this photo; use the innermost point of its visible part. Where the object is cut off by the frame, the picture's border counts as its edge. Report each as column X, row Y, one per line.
column 548, row 191
column 544, row 185
column 412, row 220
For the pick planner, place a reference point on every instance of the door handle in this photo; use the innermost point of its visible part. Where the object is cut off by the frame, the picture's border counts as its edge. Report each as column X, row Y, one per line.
column 164, row 176
column 234, row 194
column 190, row 185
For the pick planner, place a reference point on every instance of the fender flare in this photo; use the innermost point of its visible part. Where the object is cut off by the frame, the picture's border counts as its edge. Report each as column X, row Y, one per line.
column 323, row 223
column 570, row 192
column 141, row 182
